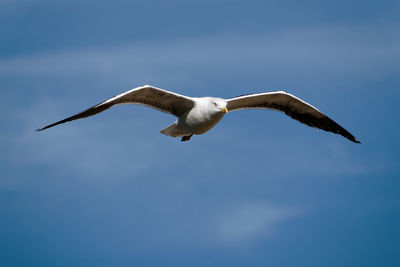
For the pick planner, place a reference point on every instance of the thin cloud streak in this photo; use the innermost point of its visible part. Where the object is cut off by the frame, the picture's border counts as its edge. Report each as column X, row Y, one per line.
column 79, row 150
column 249, row 222
column 335, row 49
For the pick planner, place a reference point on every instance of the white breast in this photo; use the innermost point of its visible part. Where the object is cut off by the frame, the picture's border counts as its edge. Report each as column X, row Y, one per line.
column 201, row 118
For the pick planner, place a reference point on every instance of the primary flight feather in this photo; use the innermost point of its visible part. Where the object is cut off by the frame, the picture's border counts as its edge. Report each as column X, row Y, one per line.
column 197, row 115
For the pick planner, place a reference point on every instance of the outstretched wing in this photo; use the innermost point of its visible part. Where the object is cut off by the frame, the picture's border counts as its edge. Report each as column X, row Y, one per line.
column 147, row 95
column 291, row 106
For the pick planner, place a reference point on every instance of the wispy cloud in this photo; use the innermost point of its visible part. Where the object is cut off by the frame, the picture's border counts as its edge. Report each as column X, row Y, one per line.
column 249, row 222
column 70, row 152
column 215, row 222
column 332, row 48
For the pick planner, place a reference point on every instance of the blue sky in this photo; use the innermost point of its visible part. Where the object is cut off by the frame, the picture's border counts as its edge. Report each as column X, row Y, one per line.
column 257, row 190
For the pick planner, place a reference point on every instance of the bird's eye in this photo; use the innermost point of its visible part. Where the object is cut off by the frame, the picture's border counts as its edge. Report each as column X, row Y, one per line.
column 215, row 104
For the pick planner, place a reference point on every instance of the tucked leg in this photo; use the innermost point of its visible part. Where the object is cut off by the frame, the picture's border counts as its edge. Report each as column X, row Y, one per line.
column 186, row 138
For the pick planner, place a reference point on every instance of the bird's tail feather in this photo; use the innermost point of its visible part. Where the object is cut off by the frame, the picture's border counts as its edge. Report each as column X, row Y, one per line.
column 172, row 130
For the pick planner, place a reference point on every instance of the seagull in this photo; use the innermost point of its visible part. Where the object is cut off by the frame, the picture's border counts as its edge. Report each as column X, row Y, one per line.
column 197, row 115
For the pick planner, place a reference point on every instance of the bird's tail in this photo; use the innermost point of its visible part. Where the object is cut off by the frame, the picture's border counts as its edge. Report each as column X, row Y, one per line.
column 172, row 130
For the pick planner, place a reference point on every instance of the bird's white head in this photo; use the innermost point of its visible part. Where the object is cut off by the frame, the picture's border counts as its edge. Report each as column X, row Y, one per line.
column 219, row 104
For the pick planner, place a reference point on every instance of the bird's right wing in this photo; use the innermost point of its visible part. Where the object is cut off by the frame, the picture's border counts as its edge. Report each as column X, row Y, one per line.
column 147, row 95
column 293, row 107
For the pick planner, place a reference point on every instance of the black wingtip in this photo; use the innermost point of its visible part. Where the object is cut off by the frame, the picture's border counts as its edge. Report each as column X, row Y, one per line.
column 353, row 139
column 40, row 129
column 44, row 128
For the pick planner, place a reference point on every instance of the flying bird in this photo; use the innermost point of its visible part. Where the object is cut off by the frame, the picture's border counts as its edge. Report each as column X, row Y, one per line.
column 197, row 115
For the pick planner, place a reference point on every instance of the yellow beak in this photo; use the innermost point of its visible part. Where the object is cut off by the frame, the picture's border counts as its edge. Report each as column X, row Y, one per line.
column 224, row 110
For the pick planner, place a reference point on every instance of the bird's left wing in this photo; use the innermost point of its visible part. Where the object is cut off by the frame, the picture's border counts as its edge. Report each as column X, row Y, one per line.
column 293, row 107
column 147, row 95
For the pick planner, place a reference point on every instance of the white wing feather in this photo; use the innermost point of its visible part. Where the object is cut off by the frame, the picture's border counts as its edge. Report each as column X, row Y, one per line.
column 146, row 95
column 291, row 106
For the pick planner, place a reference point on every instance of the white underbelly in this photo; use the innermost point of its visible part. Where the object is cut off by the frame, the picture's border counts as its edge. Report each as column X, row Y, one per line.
column 199, row 123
